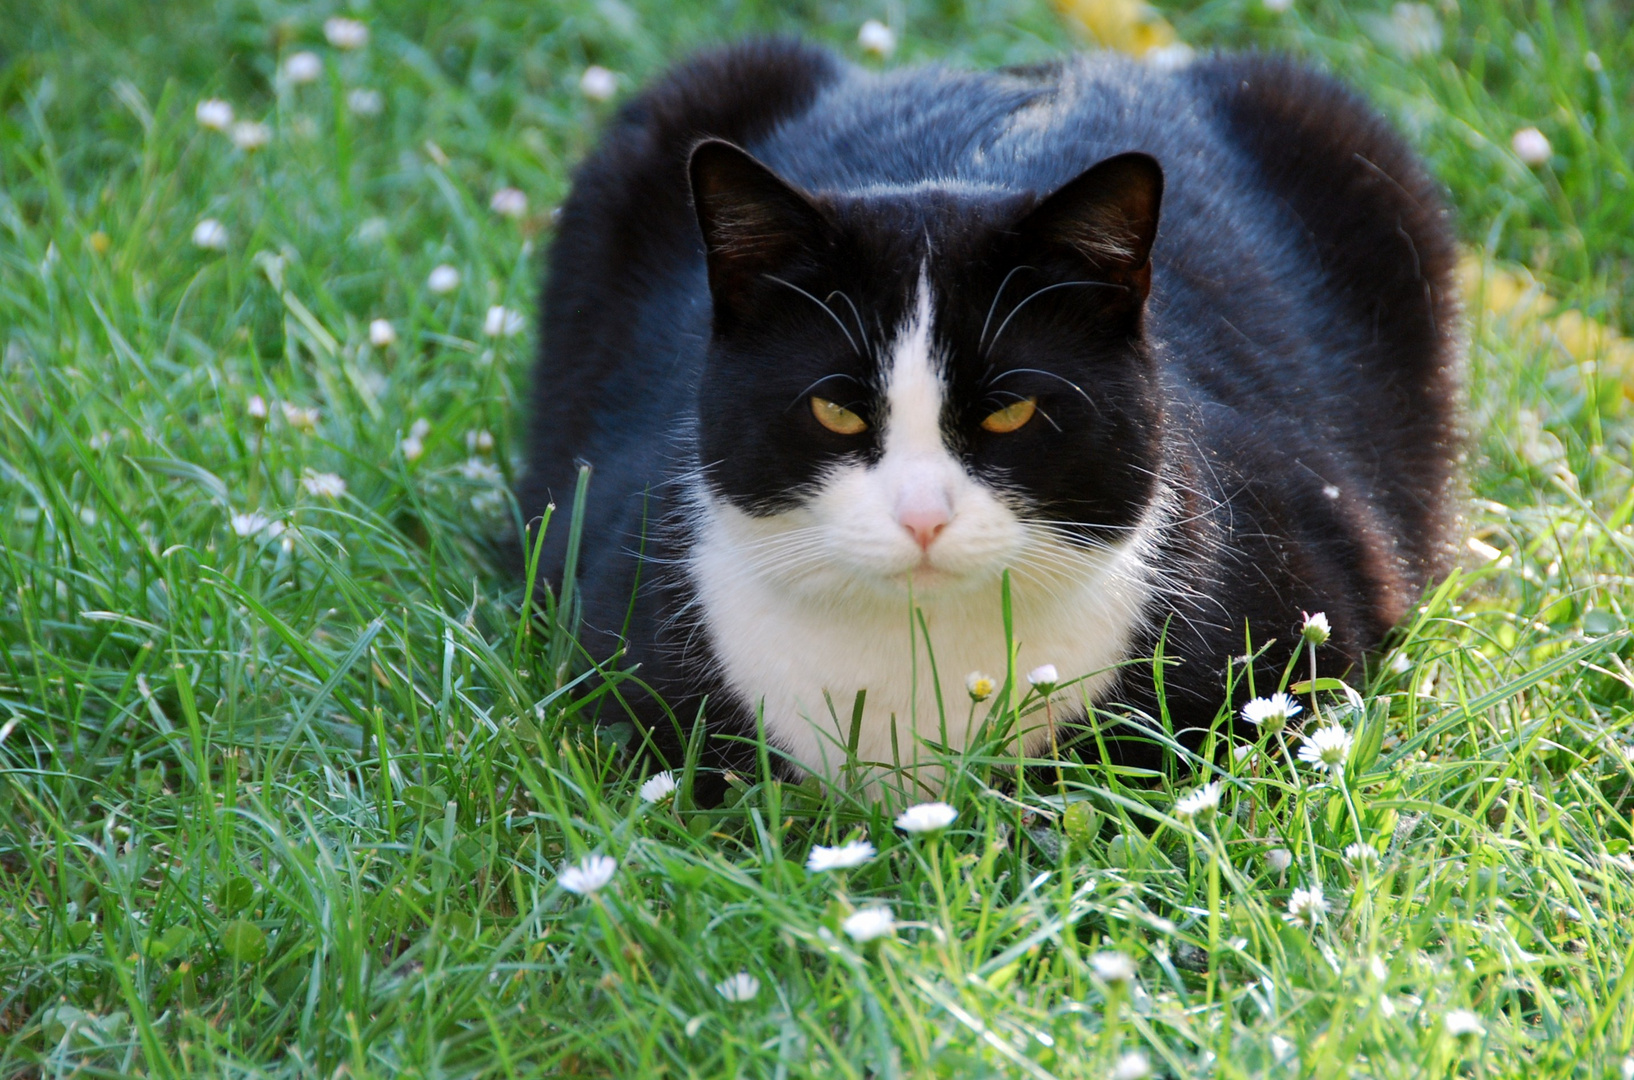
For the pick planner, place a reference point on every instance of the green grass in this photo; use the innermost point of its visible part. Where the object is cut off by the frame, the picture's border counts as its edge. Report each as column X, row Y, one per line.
column 296, row 805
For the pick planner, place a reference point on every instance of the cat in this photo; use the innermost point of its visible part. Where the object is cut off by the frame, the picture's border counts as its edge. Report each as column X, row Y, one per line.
column 1176, row 353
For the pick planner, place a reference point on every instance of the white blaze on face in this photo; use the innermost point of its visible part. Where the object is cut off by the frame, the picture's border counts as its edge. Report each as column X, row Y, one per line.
column 917, row 472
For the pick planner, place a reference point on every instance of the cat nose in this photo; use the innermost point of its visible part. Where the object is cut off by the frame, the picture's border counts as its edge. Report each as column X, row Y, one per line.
column 924, row 518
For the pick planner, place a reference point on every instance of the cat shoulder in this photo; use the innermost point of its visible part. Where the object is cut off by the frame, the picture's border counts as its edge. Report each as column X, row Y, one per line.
column 1378, row 219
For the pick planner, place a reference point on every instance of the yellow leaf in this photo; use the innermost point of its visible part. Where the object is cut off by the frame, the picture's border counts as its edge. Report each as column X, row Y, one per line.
column 1129, row 26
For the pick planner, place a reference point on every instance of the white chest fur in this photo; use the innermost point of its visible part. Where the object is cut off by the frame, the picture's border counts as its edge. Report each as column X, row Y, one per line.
column 790, row 650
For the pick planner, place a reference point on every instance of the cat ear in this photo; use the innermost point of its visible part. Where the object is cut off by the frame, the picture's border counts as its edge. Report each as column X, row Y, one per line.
column 1107, row 217
column 752, row 222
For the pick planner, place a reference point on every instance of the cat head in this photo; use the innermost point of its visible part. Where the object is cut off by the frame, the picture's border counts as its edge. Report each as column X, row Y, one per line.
column 926, row 385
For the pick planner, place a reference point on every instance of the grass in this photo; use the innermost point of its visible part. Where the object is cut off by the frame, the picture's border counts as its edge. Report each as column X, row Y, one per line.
column 296, row 804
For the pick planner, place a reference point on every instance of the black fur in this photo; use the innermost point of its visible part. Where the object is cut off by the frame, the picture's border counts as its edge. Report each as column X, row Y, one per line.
column 1301, row 332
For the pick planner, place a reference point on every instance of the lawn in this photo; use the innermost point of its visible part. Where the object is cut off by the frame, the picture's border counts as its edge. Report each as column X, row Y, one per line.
column 291, row 785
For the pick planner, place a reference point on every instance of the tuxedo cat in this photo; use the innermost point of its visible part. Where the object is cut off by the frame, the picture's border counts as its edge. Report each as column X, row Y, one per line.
column 1176, row 350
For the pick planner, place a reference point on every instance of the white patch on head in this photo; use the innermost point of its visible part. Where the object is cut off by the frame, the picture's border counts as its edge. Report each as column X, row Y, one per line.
column 816, row 600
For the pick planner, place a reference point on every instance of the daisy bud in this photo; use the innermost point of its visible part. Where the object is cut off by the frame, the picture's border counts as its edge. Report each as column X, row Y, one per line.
column 214, row 114
column 877, row 39
column 597, row 83
column 1316, row 630
column 1531, row 146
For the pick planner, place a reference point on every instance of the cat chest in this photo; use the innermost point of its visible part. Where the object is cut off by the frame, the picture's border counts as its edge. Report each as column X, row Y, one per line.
column 803, row 661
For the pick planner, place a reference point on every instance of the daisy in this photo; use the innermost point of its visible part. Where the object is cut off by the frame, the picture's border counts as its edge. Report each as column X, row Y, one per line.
column 847, row 856
column 502, row 322
column 1327, row 748
column 868, row 924
column 346, row 33
column 210, row 235
column 479, row 472
column 364, row 102
column 1279, row 859
column 251, row 135
column 597, row 83
column 659, row 787
column 926, row 817
column 1044, row 676
column 1316, row 630
column 877, row 39
column 443, row 279
column 1462, row 1023
column 509, row 202
column 740, row 987
column 1531, row 146
column 1113, row 967
column 1306, row 907
column 249, row 523
column 592, row 874
column 302, row 419
column 1132, row 1066
column 1360, row 856
column 479, row 442
column 324, row 484
column 256, row 408
column 214, row 114
column 981, row 686
column 1198, row 805
column 382, row 333
column 1271, row 714
column 302, row 67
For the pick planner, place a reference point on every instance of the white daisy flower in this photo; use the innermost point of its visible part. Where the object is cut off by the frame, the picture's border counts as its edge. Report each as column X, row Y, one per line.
column 213, row 113
column 210, row 235
column 1306, row 907
column 1044, row 676
column 1133, row 1065
column 346, row 33
column 502, row 322
column 413, row 448
column 1531, row 146
column 1198, row 805
column 591, row 874
column 926, row 817
column 1316, row 630
column 364, row 101
column 658, row 787
column 480, row 472
column 443, row 279
column 300, row 418
column 981, row 686
column 251, row 135
column 1279, row 859
column 1114, row 967
column 256, row 408
column 382, row 333
column 1327, row 748
column 249, row 523
column 740, row 987
column 848, row 856
column 420, row 428
column 1271, row 714
column 1360, row 856
column 509, row 202
column 868, row 924
column 597, row 83
column 1462, row 1023
column 479, row 442
column 302, row 67
column 877, row 39
column 324, row 484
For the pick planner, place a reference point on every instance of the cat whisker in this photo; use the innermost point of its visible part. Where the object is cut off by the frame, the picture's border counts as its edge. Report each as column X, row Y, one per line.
column 826, row 310
column 1040, row 292
column 994, row 305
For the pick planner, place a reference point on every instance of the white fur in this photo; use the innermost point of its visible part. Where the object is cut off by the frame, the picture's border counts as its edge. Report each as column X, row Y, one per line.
column 817, row 599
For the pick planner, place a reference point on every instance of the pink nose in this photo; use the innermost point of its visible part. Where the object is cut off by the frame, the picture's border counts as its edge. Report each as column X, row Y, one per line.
column 925, row 523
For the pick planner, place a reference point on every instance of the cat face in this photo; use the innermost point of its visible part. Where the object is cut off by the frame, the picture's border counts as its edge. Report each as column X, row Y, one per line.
column 920, row 388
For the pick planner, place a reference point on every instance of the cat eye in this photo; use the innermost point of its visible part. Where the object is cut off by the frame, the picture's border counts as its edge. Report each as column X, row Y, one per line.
column 837, row 418
column 1011, row 417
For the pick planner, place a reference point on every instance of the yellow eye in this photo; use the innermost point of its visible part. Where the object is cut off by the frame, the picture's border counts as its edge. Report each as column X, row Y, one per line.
column 1011, row 417
column 837, row 418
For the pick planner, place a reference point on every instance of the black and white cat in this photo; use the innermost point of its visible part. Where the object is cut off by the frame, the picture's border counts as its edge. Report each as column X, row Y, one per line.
column 838, row 343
